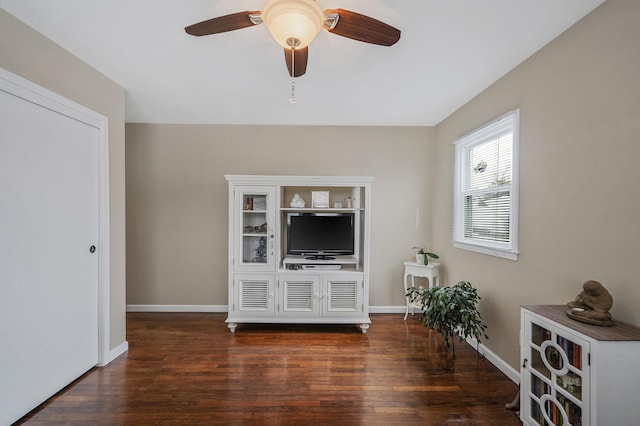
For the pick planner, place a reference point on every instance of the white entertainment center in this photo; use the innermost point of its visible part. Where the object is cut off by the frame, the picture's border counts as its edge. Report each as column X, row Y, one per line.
column 299, row 249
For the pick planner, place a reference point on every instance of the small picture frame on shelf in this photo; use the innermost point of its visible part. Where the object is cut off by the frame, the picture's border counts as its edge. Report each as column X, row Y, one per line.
column 320, row 199
column 259, row 203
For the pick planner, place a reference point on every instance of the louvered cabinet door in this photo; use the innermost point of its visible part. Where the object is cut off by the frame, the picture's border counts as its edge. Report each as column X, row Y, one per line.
column 299, row 296
column 342, row 295
column 254, row 295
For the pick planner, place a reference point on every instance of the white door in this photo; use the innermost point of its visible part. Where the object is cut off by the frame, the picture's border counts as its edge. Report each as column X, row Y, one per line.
column 48, row 271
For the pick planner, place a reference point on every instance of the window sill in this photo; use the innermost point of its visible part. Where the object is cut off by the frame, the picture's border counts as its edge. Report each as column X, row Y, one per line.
column 491, row 251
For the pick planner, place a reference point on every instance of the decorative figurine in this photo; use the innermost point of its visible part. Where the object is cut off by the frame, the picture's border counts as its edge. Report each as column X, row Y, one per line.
column 592, row 305
column 297, row 202
column 261, row 251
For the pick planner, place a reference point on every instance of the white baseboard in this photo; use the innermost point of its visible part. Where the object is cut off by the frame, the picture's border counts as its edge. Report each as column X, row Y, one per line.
column 177, row 308
column 116, row 352
column 387, row 309
column 494, row 359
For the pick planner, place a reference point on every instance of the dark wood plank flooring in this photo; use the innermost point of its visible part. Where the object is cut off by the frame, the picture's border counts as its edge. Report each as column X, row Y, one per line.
column 184, row 368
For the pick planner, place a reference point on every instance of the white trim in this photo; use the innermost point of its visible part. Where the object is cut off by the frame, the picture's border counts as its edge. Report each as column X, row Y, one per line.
column 494, row 359
column 177, row 308
column 116, row 352
column 471, row 139
column 300, row 180
column 387, row 309
column 25, row 89
column 505, row 254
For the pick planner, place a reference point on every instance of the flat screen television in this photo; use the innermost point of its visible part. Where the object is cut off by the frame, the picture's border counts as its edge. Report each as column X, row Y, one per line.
column 320, row 235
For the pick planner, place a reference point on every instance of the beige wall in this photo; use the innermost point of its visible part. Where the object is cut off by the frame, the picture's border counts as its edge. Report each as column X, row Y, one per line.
column 177, row 198
column 28, row 54
column 578, row 208
column 579, row 100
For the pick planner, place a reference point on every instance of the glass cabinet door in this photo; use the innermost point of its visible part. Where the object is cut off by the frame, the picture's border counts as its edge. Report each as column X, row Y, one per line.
column 255, row 228
column 555, row 376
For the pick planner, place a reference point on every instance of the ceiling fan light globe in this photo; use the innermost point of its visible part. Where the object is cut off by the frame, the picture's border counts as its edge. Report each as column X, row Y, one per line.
column 299, row 19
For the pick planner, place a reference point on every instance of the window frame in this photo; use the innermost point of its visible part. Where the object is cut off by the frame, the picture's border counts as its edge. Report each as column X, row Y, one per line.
column 463, row 145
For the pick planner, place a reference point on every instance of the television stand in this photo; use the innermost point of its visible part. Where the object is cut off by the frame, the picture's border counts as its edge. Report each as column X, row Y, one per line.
column 320, row 284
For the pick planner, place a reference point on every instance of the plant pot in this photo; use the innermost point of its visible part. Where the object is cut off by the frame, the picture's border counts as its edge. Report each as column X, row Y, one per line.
column 420, row 258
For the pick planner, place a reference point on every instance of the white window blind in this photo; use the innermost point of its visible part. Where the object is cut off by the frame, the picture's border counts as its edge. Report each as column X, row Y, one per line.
column 485, row 196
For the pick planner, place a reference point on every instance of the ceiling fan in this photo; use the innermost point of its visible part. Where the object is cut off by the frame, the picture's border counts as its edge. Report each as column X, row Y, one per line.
column 295, row 23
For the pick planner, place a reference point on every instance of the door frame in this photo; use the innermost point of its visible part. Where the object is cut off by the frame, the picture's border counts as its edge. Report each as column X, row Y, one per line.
column 31, row 92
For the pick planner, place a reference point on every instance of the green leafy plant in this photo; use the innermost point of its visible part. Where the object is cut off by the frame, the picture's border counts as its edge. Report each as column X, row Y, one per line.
column 426, row 254
column 450, row 311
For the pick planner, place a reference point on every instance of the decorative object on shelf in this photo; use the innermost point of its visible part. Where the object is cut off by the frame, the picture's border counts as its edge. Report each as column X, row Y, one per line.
column 261, row 251
column 249, row 229
column 348, row 202
column 592, row 305
column 337, row 205
column 297, row 202
column 450, row 311
column 320, row 199
column 248, row 204
column 259, row 203
column 422, row 256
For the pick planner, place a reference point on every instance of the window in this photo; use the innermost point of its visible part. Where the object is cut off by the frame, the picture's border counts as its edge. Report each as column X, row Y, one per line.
column 486, row 189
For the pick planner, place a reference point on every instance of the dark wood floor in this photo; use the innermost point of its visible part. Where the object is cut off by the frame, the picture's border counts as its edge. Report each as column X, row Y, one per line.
column 187, row 369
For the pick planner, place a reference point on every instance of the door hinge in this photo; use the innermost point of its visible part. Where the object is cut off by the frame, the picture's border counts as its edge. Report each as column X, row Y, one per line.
column 589, row 358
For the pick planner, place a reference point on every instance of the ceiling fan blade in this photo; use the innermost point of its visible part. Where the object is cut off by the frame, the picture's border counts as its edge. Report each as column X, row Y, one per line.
column 300, row 61
column 222, row 24
column 363, row 28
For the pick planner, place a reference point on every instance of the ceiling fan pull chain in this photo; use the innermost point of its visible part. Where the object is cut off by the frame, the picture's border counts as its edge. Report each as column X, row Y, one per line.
column 293, row 43
column 292, row 98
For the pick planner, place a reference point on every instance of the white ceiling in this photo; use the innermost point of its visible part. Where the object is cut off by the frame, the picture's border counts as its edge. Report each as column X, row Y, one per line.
column 449, row 51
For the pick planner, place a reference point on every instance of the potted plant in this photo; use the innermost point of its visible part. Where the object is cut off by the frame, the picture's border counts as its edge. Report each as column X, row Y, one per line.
column 450, row 311
column 422, row 256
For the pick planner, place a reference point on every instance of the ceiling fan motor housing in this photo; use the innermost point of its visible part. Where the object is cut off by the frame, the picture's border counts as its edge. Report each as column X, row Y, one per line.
column 297, row 19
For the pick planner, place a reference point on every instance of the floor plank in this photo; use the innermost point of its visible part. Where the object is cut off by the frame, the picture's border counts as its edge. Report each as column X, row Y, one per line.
column 186, row 368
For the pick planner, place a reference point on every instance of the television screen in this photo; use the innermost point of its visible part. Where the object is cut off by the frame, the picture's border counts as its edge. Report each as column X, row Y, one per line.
column 320, row 234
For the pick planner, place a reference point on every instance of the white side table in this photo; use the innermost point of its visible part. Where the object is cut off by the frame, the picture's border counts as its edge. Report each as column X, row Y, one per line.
column 428, row 271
